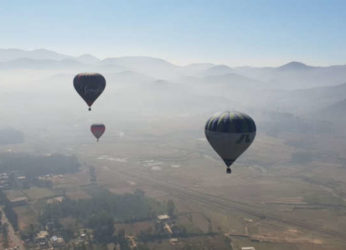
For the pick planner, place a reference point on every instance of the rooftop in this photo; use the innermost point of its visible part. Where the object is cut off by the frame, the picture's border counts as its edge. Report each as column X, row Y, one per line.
column 163, row 217
column 42, row 235
column 19, row 199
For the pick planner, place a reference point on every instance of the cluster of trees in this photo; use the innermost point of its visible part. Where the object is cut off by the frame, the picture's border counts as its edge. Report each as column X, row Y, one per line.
column 171, row 208
column 4, row 232
column 101, row 211
column 102, row 224
column 33, row 166
column 159, row 233
column 9, row 211
column 122, row 208
column 179, row 231
column 29, row 232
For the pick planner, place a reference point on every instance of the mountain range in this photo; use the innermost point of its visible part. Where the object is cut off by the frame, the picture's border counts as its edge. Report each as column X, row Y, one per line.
column 293, row 75
column 142, row 84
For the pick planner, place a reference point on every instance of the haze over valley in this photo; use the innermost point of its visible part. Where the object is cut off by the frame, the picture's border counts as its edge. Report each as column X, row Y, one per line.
column 287, row 191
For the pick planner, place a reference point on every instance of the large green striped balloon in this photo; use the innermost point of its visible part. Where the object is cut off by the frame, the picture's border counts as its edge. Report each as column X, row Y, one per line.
column 230, row 134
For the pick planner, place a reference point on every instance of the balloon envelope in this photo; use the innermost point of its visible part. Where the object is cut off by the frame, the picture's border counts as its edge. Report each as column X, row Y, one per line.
column 89, row 86
column 98, row 130
column 230, row 134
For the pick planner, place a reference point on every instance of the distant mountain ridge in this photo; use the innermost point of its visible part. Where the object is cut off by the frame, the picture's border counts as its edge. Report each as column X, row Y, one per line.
column 29, row 63
column 147, row 86
column 290, row 76
column 37, row 54
column 295, row 66
column 45, row 54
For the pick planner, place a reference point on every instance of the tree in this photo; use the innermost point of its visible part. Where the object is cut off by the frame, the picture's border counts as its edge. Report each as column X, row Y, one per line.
column 122, row 240
column 142, row 247
column 5, row 235
column 29, row 232
column 11, row 215
column 103, row 227
column 170, row 208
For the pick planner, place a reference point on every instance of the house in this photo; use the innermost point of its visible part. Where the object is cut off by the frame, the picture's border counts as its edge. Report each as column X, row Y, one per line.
column 132, row 241
column 173, row 241
column 57, row 199
column 57, row 241
column 3, row 176
column 42, row 235
column 163, row 217
column 42, row 238
column 168, row 228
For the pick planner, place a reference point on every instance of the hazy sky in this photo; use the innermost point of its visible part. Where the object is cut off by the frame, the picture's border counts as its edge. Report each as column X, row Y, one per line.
column 244, row 32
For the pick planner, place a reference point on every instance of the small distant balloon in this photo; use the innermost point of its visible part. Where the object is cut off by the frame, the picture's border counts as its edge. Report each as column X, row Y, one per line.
column 230, row 134
column 97, row 130
column 89, row 86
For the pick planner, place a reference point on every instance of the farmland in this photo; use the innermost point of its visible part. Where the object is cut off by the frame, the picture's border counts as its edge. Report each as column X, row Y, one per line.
column 267, row 202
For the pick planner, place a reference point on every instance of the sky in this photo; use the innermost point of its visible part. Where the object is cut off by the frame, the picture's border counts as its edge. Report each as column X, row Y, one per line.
column 236, row 33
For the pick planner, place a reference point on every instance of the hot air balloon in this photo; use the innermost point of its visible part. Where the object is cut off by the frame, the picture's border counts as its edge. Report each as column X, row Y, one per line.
column 97, row 130
column 89, row 86
column 230, row 134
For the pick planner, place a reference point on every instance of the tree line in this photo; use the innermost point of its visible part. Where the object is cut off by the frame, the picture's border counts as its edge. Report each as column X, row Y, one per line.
column 101, row 211
column 9, row 211
column 33, row 166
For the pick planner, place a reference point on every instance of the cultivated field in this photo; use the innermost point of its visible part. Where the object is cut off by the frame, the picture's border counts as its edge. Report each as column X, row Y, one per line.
column 270, row 201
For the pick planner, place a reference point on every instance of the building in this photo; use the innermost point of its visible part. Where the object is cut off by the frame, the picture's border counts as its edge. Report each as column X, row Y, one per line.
column 3, row 176
column 22, row 182
column 4, row 181
column 163, row 217
column 57, row 241
column 20, row 201
column 168, row 228
column 173, row 241
column 57, row 199
column 42, row 238
column 132, row 241
column 42, row 235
